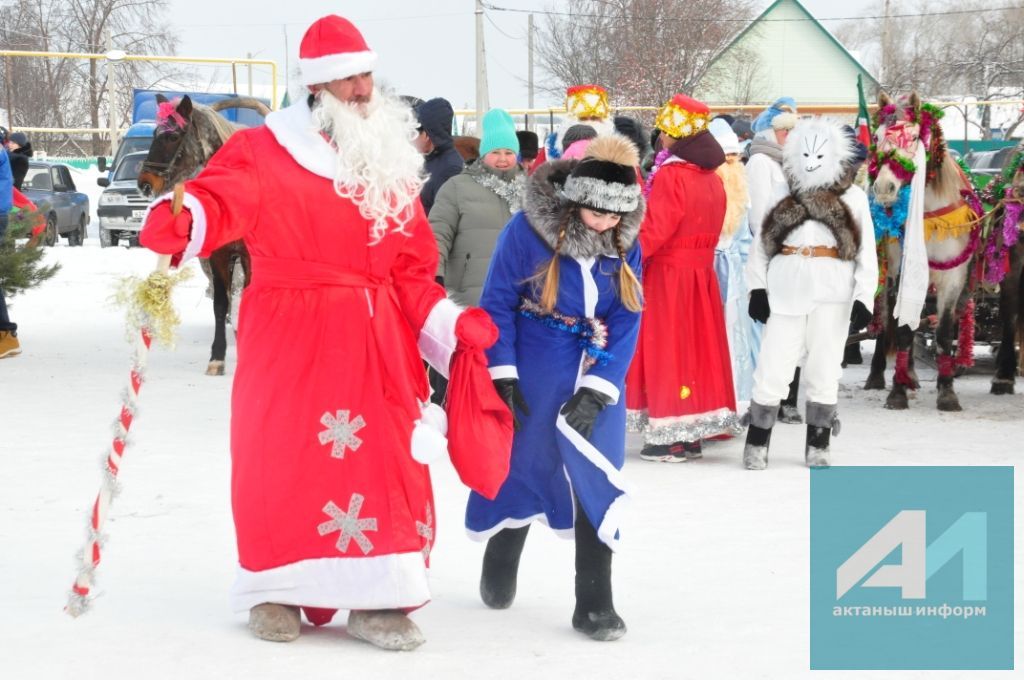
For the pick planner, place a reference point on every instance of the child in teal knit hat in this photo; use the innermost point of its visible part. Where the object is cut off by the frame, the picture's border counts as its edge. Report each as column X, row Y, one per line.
column 499, row 132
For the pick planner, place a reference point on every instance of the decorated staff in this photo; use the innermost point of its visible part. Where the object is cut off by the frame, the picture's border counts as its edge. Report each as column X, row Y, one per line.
column 150, row 316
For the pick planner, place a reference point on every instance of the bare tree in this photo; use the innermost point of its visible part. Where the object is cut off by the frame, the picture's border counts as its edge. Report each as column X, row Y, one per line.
column 976, row 52
column 64, row 92
column 643, row 51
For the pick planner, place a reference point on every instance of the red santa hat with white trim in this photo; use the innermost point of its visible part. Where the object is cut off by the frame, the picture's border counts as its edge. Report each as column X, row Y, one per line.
column 333, row 49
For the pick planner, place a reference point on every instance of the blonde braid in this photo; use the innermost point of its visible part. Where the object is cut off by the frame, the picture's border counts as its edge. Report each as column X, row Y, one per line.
column 549, row 294
column 629, row 285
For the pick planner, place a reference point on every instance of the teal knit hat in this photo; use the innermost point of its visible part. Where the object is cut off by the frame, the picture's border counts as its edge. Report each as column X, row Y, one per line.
column 499, row 132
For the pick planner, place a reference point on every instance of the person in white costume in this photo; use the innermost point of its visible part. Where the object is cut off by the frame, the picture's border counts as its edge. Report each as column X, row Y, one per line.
column 812, row 271
column 767, row 186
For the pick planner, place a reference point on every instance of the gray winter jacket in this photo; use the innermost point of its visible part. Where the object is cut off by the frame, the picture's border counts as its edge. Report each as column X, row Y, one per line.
column 467, row 218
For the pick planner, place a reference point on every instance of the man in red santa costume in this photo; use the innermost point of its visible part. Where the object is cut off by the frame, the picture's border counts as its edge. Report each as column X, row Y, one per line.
column 331, row 423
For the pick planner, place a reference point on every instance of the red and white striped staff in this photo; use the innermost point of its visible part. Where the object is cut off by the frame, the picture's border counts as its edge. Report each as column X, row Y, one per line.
column 81, row 595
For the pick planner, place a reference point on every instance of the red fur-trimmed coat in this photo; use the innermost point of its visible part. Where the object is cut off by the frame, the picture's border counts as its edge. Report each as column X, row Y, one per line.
column 332, row 504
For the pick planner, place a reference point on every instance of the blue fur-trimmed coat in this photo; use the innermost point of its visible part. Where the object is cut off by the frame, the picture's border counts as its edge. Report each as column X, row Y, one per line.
column 547, row 455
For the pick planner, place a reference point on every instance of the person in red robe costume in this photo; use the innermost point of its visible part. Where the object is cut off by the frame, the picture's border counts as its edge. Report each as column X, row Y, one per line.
column 679, row 388
column 331, row 424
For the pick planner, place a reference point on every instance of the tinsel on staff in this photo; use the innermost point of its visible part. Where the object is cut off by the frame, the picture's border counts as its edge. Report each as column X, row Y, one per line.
column 150, row 315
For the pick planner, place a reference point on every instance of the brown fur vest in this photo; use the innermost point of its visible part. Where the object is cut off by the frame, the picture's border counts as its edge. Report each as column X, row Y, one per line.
column 822, row 205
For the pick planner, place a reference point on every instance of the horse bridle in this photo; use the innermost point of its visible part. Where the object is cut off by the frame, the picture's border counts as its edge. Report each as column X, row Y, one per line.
column 163, row 170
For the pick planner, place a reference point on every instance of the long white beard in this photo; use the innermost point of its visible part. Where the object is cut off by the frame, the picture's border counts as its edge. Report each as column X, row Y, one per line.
column 376, row 165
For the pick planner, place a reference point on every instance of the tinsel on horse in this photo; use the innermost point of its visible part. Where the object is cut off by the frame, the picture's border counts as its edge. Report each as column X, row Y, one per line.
column 928, row 227
column 187, row 135
column 1004, row 265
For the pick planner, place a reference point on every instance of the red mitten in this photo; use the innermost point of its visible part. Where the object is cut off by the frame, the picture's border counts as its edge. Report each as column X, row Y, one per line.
column 475, row 330
column 165, row 232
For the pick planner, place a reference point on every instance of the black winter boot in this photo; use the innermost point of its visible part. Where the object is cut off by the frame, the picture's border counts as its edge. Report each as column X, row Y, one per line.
column 501, row 567
column 595, row 614
column 821, row 422
column 788, row 412
column 760, row 420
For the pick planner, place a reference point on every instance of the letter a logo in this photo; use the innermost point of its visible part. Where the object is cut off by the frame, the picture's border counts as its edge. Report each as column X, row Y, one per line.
column 966, row 536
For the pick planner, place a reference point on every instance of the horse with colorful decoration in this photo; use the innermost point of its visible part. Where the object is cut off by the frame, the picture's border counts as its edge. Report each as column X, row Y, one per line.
column 1004, row 265
column 928, row 227
column 187, row 135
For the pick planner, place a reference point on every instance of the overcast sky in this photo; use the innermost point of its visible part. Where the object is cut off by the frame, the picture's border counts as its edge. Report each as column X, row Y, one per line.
column 426, row 47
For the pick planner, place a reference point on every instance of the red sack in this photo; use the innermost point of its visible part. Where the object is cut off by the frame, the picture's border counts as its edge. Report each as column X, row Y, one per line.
column 479, row 422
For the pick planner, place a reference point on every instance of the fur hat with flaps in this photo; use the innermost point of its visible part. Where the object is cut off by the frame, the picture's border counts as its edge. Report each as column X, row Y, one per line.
column 556, row 218
column 817, row 154
column 605, row 179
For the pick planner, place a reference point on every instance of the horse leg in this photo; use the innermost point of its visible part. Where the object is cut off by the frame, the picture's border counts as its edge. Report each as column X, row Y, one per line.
column 221, row 264
column 951, row 296
column 915, row 383
column 876, row 378
column 901, row 379
column 883, row 303
column 1010, row 300
column 947, row 399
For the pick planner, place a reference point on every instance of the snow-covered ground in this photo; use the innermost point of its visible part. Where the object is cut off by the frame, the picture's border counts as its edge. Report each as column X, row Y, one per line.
column 712, row 579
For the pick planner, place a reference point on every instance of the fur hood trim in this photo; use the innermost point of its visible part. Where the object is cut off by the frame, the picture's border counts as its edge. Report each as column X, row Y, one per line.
column 546, row 210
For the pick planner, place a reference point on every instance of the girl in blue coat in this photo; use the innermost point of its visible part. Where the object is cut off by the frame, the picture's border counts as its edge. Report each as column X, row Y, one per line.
column 563, row 288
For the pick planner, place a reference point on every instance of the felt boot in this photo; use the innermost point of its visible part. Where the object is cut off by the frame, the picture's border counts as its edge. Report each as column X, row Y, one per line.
column 595, row 614
column 821, row 423
column 501, row 567
column 274, row 622
column 388, row 629
column 761, row 420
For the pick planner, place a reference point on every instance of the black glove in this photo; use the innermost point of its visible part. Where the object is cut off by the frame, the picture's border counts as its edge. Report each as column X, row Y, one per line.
column 439, row 280
column 581, row 411
column 758, row 307
column 508, row 390
column 861, row 316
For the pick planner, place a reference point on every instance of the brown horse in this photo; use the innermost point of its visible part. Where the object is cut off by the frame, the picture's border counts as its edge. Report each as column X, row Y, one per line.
column 186, row 136
column 951, row 231
column 1008, row 218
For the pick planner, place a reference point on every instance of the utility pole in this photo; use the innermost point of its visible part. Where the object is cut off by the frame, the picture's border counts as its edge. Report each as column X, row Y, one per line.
column 886, row 56
column 287, row 89
column 248, row 55
column 7, row 86
column 112, row 95
column 529, row 71
column 482, row 100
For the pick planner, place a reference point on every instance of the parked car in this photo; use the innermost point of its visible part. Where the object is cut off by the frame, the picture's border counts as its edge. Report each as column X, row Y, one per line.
column 122, row 205
column 51, row 188
column 989, row 162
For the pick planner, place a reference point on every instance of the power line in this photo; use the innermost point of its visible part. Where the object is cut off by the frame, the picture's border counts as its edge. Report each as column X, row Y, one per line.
column 497, row 8
column 277, row 24
column 498, row 28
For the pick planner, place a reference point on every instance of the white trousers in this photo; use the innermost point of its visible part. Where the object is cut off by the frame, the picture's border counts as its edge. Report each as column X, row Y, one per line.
column 822, row 335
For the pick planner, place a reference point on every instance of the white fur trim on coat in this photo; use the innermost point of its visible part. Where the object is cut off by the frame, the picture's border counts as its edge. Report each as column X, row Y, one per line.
column 498, row 372
column 293, row 128
column 336, row 66
column 197, row 236
column 378, row 582
column 429, row 434
column 437, row 339
column 601, row 385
